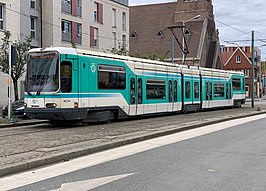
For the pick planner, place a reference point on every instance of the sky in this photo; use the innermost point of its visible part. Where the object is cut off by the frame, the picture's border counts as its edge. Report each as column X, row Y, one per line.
column 235, row 20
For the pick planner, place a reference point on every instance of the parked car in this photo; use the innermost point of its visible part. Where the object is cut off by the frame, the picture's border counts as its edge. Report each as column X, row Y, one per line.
column 17, row 108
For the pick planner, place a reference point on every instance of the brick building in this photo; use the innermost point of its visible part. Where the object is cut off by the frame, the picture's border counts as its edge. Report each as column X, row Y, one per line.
column 240, row 59
column 149, row 34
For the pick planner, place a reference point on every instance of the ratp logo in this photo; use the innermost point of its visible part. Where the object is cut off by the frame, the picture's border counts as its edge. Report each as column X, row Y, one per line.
column 93, row 68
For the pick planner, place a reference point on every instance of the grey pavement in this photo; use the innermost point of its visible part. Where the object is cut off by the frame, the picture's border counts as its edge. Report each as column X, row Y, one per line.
column 36, row 143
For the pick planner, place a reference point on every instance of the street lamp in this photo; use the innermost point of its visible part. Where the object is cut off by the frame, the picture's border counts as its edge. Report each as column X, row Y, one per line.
column 183, row 29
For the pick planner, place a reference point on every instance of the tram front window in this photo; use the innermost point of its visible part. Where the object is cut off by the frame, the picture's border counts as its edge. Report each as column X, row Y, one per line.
column 42, row 72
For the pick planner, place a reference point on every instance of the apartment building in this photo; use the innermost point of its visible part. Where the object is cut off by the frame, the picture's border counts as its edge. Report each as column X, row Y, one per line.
column 240, row 59
column 9, row 20
column 99, row 25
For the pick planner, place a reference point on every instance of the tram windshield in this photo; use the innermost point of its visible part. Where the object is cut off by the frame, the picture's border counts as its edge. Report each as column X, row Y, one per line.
column 42, row 72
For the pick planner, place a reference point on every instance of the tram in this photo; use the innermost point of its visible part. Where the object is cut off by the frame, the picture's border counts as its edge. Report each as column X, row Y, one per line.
column 67, row 84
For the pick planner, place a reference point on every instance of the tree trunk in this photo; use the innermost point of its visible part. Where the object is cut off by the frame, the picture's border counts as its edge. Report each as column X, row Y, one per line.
column 15, row 83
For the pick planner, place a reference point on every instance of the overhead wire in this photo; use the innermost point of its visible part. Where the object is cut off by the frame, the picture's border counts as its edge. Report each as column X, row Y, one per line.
column 144, row 41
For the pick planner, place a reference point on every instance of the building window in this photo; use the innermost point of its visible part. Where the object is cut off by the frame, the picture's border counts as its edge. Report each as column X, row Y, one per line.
column 238, row 59
column 134, row 34
column 124, row 41
column 111, row 77
column 114, row 18
column 79, row 8
column 33, row 4
column 114, row 41
column 98, row 12
column 246, row 72
column 33, row 27
column 155, row 89
column 66, row 6
column 66, row 31
column 95, row 12
column 1, row 17
column 159, row 33
column 124, row 21
column 79, row 33
column 94, row 37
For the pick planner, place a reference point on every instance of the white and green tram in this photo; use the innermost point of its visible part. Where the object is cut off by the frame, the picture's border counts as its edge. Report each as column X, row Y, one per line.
column 80, row 85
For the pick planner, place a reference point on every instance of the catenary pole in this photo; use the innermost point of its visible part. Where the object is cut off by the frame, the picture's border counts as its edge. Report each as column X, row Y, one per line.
column 173, row 48
column 9, row 84
column 252, row 76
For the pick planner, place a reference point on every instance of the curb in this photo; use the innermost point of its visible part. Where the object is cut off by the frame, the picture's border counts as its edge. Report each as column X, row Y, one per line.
column 26, row 123
column 35, row 163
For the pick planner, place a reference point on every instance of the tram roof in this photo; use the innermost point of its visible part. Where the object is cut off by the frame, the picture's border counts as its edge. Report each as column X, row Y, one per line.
column 73, row 51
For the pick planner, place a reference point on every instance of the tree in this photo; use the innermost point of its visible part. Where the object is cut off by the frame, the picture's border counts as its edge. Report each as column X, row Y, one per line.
column 17, row 69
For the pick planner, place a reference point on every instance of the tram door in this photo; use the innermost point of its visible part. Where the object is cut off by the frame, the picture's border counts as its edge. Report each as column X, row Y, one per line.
column 228, row 94
column 170, row 105
column 140, row 106
column 84, row 84
column 208, row 91
column 132, row 95
column 175, row 104
column 136, row 96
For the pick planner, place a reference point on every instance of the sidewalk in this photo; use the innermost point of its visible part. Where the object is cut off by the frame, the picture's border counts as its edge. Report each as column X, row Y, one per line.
column 27, row 148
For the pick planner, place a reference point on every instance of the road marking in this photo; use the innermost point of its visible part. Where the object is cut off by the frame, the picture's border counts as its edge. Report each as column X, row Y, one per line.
column 113, row 154
column 90, row 184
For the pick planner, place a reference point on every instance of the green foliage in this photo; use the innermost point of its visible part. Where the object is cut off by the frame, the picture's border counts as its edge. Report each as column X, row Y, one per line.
column 4, row 53
column 73, row 44
column 18, row 69
column 121, row 50
column 263, row 66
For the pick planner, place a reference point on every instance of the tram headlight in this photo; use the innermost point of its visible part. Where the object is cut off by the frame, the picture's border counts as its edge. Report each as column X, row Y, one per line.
column 25, row 105
column 51, row 105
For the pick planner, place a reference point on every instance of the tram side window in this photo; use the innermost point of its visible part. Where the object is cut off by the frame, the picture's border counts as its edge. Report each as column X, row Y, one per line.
column 228, row 91
column 236, row 84
column 187, row 85
column 210, row 91
column 207, row 90
column 170, row 89
column 196, row 89
column 66, row 76
column 139, row 91
column 175, row 91
column 155, row 89
column 218, row 90
column 111, row 77
column 132, row 91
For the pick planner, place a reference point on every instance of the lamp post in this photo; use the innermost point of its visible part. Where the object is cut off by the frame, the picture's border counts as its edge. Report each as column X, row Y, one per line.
column 183, row 39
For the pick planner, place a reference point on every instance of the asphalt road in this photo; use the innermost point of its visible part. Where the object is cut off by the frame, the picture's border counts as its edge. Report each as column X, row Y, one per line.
column 225, row 156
